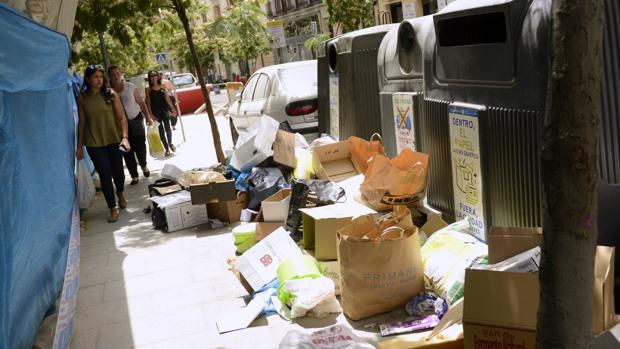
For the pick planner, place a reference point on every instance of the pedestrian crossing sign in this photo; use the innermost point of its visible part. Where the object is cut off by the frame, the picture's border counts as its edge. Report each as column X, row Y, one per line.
column 161, row 58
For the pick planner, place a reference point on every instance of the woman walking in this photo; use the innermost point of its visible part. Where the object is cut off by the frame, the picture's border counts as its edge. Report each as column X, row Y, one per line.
column 160, row 106
column 102, row 127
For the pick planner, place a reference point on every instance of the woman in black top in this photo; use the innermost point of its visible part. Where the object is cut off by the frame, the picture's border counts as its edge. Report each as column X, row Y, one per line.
column 160, row 106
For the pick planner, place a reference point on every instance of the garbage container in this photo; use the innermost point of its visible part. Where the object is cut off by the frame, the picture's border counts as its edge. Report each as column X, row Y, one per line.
column 353, row 82
column 323, row 86
column 485, row 83
column 401, row 85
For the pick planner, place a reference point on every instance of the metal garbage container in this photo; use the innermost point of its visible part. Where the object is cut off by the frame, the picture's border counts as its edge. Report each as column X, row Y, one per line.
column 485, row 83
column 323, row 86
column 401, row 85
column 352, row 83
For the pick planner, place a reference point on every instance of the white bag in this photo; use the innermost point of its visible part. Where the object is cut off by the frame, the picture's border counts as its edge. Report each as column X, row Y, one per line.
column 156, row 147
column 338, row 336
column 85, row 185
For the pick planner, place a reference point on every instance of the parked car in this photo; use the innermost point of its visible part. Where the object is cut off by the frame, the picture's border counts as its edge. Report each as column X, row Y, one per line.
column 285, row 92
column 188, row 92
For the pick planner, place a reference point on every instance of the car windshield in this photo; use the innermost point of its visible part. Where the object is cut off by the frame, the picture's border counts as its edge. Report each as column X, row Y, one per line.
column 299, row 79
column 181, row 80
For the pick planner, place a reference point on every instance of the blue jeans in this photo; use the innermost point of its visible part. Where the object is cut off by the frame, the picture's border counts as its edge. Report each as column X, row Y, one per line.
column 108, row 162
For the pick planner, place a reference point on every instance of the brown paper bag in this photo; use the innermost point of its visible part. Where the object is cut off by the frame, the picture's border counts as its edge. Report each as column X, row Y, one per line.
column 603, row 307
column 400, row 181
column 363, row 150
column 380, row 264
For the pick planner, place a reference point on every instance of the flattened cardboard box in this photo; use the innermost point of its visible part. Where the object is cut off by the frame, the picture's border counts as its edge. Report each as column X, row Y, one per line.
column 213, row 192
column 505, row 242
column 284, row 149
column 321, row 223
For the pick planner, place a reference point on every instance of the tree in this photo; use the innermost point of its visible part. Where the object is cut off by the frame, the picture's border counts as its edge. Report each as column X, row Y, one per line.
column 570, row 173
column 351, row 14
column 121, row 20
column 241, row 35
column 315, row 41
column 179, row 6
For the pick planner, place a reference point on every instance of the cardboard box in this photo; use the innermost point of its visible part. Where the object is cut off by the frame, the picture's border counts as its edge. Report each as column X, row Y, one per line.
column 333, row 162
column 507, row 242
column 263, row 229
column 229, row 211
column 259, row 264
column 503, row 305
column 284, row 149
column 257, row 148
column 213, row 192
column 185, row 215
column 524, row 262
column 321, row 223
column 275, row 207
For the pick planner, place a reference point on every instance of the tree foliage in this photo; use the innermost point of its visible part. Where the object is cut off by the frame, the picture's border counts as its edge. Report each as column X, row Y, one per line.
column 350, row 14
column 314, row 41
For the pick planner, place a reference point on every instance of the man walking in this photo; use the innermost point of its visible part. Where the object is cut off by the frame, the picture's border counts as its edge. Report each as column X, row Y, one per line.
column 136, row 111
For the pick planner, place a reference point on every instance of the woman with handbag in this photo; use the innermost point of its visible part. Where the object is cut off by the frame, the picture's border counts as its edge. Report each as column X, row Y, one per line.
column 102, row 127
column 136, row 112
column 160, row 105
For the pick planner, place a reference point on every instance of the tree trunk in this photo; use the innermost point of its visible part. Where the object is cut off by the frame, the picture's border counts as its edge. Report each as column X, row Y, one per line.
column 570, row 174
column 104, row 52
column 180, row 8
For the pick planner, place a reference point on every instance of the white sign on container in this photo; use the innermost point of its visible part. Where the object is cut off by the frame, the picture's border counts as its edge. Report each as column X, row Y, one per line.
column 466, row 166
column 402, row 109
column 334, row 107
column 276, row 29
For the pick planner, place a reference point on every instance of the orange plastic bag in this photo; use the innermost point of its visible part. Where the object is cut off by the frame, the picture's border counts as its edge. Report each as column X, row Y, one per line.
column 362, row 150
column 400, row 181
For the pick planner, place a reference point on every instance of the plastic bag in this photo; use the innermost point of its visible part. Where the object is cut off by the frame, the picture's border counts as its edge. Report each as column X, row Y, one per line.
column 156, row 147
column 320, row 192
column 338, row 336
column 264, row 182
column 85, row 185
column 315, row 297
column 445, row 256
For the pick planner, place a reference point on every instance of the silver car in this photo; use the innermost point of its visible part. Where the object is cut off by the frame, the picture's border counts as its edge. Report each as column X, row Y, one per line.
column 285, row 92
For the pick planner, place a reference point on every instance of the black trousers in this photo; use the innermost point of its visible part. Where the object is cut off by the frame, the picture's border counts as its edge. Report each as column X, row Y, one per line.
column 137, row 142
column 165, row 129
column 108, row 162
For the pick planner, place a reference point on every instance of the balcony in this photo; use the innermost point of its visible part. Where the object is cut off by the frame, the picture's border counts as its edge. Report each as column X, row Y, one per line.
column 277, row 8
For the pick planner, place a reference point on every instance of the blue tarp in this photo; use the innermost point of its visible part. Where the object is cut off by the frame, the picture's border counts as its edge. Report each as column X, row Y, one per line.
column 37, row 169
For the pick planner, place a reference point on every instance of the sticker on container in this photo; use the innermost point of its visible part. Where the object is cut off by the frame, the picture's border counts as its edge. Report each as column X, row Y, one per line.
column 334, row 106
column 402, row 107
column 466, row 167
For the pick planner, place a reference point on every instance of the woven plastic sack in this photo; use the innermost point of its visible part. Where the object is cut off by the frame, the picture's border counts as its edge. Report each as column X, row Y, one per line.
column 445, row 256
column 156, row 147
column 85, row 185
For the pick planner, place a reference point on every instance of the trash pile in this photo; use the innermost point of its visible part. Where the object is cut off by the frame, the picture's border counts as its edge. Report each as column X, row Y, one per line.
column 332, row 227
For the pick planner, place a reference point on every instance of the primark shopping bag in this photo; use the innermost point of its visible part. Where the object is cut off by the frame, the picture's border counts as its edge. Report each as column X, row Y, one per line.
column 380, row 264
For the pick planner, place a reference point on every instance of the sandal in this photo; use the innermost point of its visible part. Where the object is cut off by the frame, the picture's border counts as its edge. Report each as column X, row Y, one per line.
column 167, row 153
column 174, row 149
column 113, row 215
column 145, row 171
column 134, row 181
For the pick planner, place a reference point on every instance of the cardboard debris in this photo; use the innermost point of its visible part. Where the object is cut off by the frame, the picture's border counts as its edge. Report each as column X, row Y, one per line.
column 213, row 192
column 284, row 149
column 505, row 242
column 229, row 211
column 333, row 162
column 321, row 223
column 242, row 318
column 275, row 207
column 185, row 215
column 257, row 148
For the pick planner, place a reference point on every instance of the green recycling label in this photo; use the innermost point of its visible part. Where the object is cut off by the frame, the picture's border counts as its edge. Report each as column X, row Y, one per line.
column 466, row 167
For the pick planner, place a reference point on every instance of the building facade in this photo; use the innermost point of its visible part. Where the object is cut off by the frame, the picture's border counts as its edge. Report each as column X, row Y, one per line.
column 395, row 11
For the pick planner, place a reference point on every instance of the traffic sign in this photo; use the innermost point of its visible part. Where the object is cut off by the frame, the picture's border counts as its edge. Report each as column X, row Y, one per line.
column 161, row 58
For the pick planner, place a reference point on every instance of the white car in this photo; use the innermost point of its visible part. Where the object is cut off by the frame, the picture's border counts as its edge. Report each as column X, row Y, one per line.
column 285, row 92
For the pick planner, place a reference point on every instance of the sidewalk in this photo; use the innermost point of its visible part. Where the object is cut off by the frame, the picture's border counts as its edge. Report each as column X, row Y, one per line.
column 141, row 288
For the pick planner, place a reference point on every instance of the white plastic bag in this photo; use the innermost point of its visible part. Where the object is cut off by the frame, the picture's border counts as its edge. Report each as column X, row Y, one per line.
column 156, row 147
column 85, row 185
column 317, row 297
column 338, row 336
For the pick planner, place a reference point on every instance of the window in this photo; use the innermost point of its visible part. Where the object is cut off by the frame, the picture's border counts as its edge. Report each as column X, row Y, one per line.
column 261, row 87
column 397, row 12
column 246, row 96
